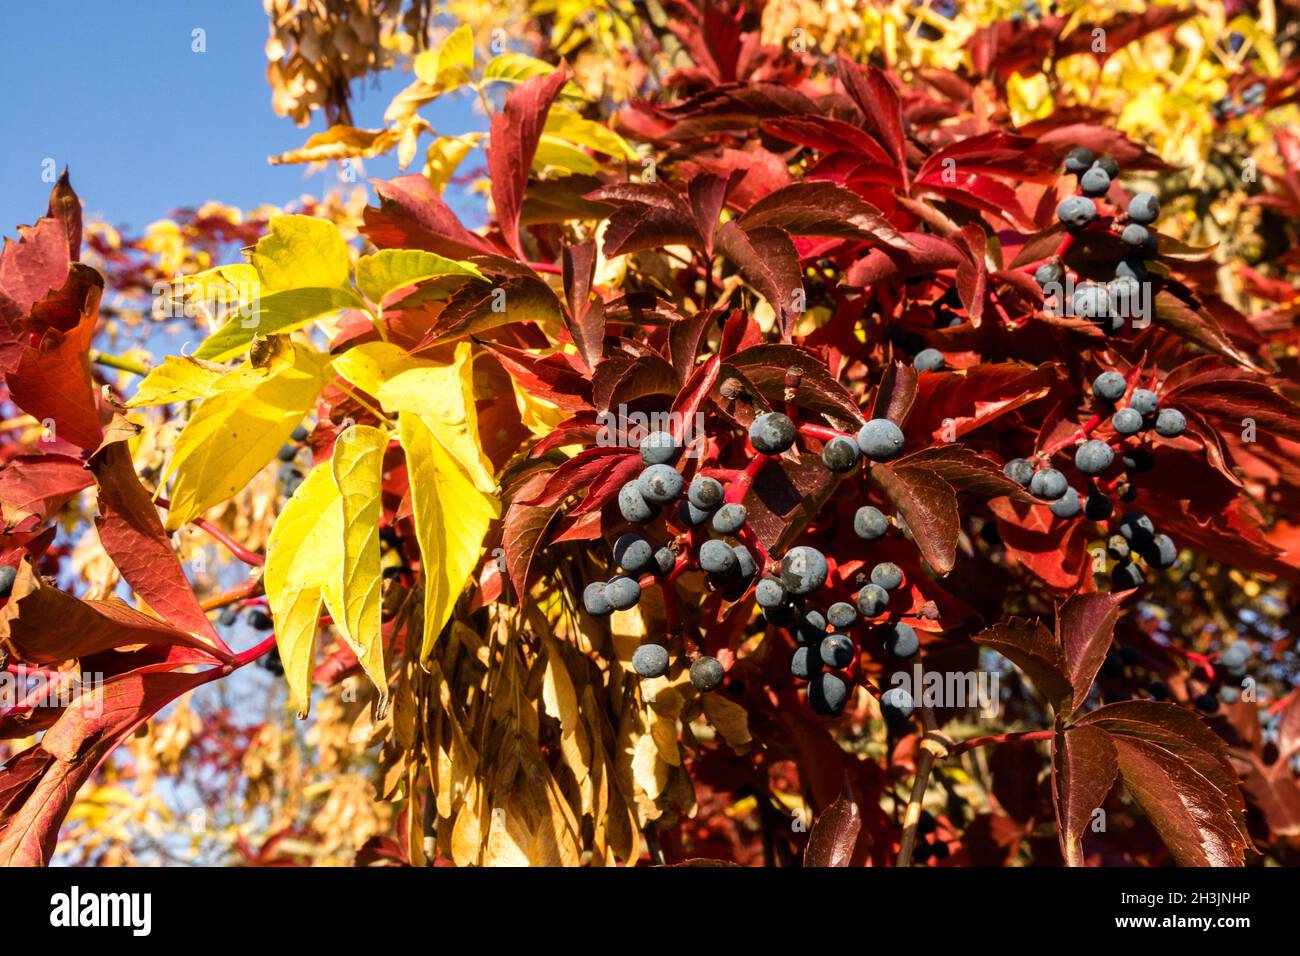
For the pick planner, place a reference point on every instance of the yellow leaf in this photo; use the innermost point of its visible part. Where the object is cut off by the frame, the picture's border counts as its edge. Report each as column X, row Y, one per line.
column 450, row 65
column 558, row 154
column 730, row 719
column 563, row 122
column 451, row 520
column 442, row 396
column 391, row 269
column 248, row 414
column 177, row 379
column 353, row 596
column 302, row 554
column 341, row 142
column 445, row 156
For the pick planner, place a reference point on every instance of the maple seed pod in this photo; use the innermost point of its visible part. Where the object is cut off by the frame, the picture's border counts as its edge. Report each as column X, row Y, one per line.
column 1144, row 209
column 827, row 695
column 887, row 575
column 806, row 663
column 928, row 360
column 837, row 651
column 622, row 593
column 896, row 704
column 810, row 628
column 706, row 674
column 841, row 614
column 660, row 484
column 706, row 494
column 1170, row 423
column 1019, row 470
column 1079, row 160
column 1109, row 386
column 880, row 439
column 729, row 519
column 716, row 557
column 1098, row 507
column 1075, row 212
column 1127, row 421
column 633, row 506
column 1048, row 484
column 1094, row 457
column 1068, row 505
column 840, row 454
column 901, row 640
column 870, row 523
column 650, row 660
column 772, row 434
column 803, row 570
column 633, row 553
column 659, row 448
column 872, row 600
column 769, row 593
column 594, row 601
column 1095, row 182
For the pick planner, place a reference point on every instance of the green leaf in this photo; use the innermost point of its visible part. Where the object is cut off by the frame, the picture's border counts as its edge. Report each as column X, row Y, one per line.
column 384, row 272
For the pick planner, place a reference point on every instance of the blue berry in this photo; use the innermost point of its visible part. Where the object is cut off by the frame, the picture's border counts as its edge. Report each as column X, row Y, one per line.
column 1048, row 484
column 622, row 593
column 869, row 523
column 594, row 600
column 692, row 515
column 299, row 434
column 1127, row 421
column 1068, row 505
column 1095, row 182
column 1098, row 507
column 1093, row 457
column 1229, row 695
column 1137, row 529
column 705, row 493
column 803, row 570
column 1125, row 577
column 887, row 575
column 1108, row 165
column 650, row 660
column 806, row 663
column 872, row 600
column 1118, row 548
column 664, row 561
column 716, row 557
column 633, row 553
column 841, row 614
column 769, row 593
column 1090, row 301
column 1236, row 654
column 1109, row 386
column 1019, row 470
column 827, row 695
column 928, row 360
column 706, row 674
column 1144, row 401
column 660, row 484
column 1161, row 552
column 901, row 640
column 896, row 704
column 772, row 434
column 659, row 448
column 729, row 519
column 745, row 565
column 1076, row 211
column 880, row 439
column 1170, row 423
column 633, row 506
column 810, row 628
column 287, row 453
column 837, row 651
column 1079, row 160
column 1131, row 269
column 259, row 620
column 1136, row 236
column 1049, row 273
column 1144, row 209
column 1139, row 459
column 840, row 454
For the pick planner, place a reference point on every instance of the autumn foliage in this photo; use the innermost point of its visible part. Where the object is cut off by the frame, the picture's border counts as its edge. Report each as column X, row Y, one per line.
column 404, row 436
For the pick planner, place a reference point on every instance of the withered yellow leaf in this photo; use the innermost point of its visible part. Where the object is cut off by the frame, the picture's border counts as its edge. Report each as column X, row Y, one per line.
column 730, row 719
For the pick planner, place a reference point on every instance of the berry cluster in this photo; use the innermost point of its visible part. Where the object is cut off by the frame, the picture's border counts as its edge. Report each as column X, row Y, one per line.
column 1128, row 294
column 734, row 561
column 290, row 475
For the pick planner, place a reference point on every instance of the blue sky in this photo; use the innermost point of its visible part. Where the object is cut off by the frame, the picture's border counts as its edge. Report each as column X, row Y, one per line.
column 114, row 90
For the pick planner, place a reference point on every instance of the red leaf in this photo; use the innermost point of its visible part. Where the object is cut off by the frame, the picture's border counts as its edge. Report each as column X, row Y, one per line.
column 1085, row 625
column 524, row 526
column 1084, row 768
column 411, row 215
column 1032, row 648
column 822, row 209
column 769, row 261
column 585, row 319
column 39, row 485
column 879, row 104
column 834, row 835
column 132, row 534
column 928, row 505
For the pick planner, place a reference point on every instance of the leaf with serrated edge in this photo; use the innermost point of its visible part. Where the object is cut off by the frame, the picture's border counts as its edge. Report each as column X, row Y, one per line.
column 1032, row 648
column 386, row 271
column 1085, row 625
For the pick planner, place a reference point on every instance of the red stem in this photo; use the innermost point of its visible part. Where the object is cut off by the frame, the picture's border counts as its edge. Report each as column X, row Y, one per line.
column 740, row 487
column 233, row 546
column 821, row 432
column 974, row 742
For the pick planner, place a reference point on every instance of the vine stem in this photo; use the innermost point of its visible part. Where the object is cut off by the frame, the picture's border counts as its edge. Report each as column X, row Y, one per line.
column 1084, row 431
column 119, row 362
column 822, row 433
column 974, row 742
column 212, row 531
column 934, row 745
column 740, row 487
